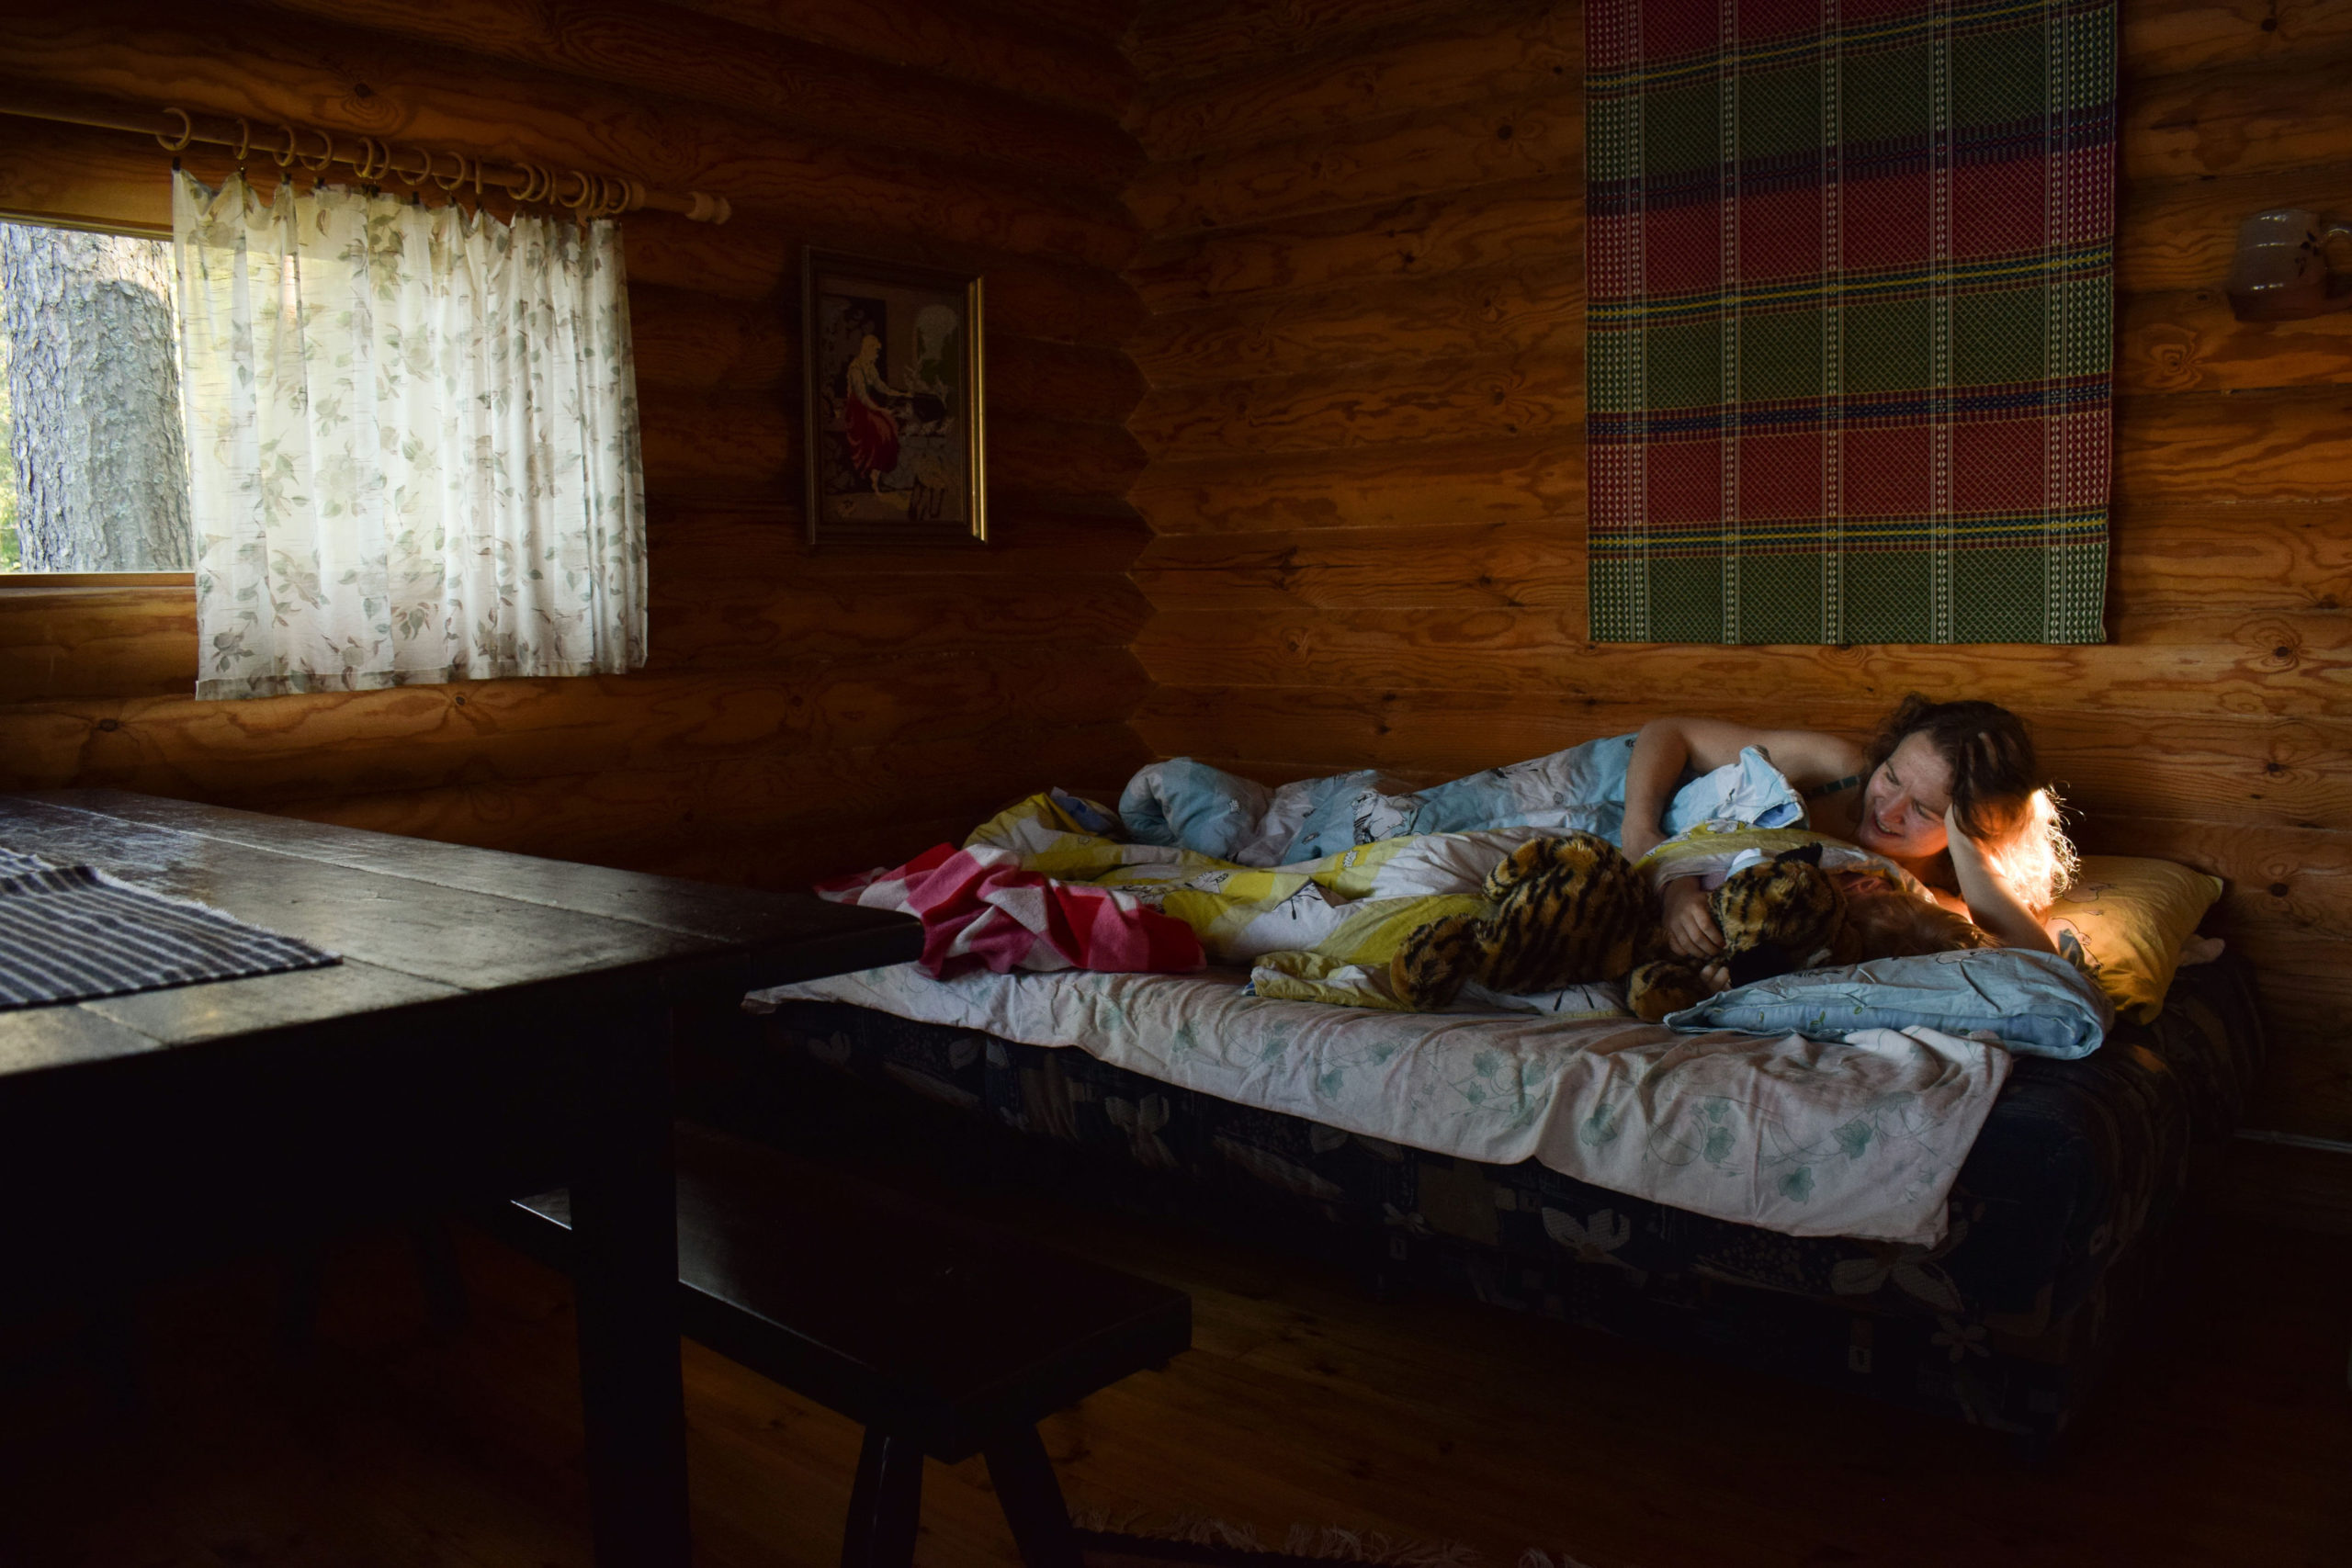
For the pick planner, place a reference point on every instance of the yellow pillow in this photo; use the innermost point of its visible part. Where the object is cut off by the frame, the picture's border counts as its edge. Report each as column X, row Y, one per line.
column 2126, row 918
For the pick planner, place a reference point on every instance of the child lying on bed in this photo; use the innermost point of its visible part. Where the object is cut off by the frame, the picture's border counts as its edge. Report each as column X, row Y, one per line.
column 1947, row 791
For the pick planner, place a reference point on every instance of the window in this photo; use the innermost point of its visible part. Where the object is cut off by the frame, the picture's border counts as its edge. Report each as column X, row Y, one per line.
column 96, row 478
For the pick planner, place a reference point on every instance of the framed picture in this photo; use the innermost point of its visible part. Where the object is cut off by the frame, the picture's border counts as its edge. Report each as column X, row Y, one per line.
column 890, row 358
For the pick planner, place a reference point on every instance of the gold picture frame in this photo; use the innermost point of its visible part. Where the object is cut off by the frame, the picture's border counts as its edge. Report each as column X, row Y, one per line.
column 892, row 398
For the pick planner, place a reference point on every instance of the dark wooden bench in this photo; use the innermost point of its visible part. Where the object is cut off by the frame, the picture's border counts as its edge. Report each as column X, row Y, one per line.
column 941, row 1335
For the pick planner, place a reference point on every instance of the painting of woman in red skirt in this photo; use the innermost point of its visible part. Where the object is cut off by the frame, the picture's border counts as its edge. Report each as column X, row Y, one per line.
column 873, row 429
column 893, row 379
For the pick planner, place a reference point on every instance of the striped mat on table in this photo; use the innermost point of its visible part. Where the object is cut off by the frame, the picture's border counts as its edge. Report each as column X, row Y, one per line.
column 71, row 933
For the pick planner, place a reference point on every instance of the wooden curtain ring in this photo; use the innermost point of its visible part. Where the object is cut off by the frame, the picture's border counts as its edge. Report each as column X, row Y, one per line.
column 284, row 160
column 370, row 152
column 326, row 156
column 454, row 181
column 188, row 133
column 402, row 175
column 245, row 139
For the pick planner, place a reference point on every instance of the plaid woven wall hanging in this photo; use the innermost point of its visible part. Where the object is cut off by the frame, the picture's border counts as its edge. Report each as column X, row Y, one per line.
column 1849, row 280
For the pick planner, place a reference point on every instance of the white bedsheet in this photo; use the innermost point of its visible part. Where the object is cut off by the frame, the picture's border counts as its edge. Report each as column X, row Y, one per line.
column 1860, row 1138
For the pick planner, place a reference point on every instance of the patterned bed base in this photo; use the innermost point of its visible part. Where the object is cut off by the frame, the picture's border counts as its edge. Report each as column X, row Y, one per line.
column 2006, row 1323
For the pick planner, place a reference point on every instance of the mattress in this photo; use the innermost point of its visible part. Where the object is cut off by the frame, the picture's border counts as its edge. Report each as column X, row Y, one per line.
column 2050, row 1235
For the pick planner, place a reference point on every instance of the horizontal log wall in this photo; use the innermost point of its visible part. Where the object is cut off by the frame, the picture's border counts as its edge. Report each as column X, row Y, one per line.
column 803, row 713
column 1365, row 352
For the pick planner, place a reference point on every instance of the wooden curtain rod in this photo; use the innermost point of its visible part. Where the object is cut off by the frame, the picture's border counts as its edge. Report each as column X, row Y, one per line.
column 307, row 147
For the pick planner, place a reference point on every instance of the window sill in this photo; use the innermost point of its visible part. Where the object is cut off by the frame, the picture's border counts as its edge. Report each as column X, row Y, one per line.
column 56, row 579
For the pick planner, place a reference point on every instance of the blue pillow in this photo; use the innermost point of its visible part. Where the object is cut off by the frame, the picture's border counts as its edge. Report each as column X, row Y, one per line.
column 2035, row 1003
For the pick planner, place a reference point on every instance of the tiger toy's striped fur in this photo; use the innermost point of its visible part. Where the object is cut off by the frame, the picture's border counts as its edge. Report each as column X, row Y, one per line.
column 1569, row 910
column 1572, row 910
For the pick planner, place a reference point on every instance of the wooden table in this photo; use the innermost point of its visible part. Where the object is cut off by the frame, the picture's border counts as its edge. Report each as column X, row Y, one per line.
column 498, row 1026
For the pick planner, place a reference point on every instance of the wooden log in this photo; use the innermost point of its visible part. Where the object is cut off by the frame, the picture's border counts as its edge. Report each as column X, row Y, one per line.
column 2165, row 560
column 1103, row 23
column 2237, row 120
column 267, row 67
column 2278, row 665
column 2176, row 340
column 704, row 623
column 2169, row 556
column 2160, row 38
column 140, row 640
column 1496, row 397
column 1444, row 150
column 2294, row 444
column 812, row 88
column 1537, row 223
column 1173, row 40
column 690, row 340
column 1075, row 458
column 96, row 642
column 707, row 613
column 2172, row 233
column 1508, row 309
column 1426, row 57
column 716, row 543
column 1429, row 60
column 2269, row 772
column 2181, row 233
column 272, row 750
column 1535, row 562
column 1481, row 55
column 965, row 43
column 750, row 441
column 1416, row 485
column 2279, row 878
column 615, row 816
column 750, row 258
column 2187, row 340
column 789, row 857
column 1028, row 377
column 743, row 440
column 693, row 341
column 105, row 179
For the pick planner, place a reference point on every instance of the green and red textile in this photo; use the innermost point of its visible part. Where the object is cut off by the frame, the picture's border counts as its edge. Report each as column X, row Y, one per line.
column 1850, row 281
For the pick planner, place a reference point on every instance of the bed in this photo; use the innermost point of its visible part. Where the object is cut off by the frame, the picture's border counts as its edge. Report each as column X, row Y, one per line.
column 1941, row 1179
column 2002, row 1314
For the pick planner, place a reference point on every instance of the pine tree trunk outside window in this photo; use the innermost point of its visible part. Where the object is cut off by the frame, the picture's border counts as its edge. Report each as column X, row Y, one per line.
column 99, row 467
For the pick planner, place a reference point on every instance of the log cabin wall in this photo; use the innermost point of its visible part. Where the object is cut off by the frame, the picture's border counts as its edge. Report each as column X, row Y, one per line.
column 1365, row 487
column 802, row 713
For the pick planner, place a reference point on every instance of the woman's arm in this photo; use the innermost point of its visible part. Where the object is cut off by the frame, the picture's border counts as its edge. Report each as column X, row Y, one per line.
column 1666, row 746
column 1992, row 902
column 1807, row 758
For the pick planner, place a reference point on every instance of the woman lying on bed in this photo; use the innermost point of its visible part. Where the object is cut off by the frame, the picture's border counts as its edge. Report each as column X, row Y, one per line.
column 1949, row 791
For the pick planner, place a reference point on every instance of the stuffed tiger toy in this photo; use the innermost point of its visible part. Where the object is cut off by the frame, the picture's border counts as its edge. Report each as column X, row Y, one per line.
column 1572, row 910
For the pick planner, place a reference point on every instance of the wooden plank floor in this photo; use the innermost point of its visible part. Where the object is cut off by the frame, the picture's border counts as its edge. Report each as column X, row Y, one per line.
column 2227, row 1439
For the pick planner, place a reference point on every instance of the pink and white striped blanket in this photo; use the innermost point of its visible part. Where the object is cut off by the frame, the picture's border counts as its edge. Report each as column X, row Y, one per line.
column 979, row 908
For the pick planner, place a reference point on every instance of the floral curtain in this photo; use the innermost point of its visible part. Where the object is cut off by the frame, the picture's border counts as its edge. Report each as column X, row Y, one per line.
column 413, row 443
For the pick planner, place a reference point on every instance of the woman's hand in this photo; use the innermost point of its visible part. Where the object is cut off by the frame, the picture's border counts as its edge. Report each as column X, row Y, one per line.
column 1689, row 923
column 1965, row 851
